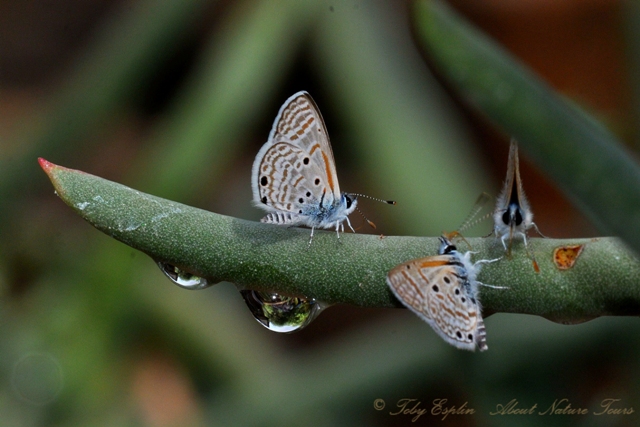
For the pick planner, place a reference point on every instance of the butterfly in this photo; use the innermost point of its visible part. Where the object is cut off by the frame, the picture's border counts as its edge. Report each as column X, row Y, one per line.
column 512, row 216
column 443, row 291
column 294, row 174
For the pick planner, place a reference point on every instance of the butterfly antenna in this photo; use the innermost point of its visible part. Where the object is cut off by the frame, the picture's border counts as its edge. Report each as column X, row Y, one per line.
column 389, row 202
column 366, row 219
column 469, row 222
column 536, row 267
column 510, row 240
column 450, row 236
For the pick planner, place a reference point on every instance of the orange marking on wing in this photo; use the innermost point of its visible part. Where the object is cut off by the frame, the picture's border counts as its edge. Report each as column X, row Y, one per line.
column 447, row 309
column 413, row 284
column 314, row 148
column 425, row 278
column 297, row 181
column 328, row 171
column 305, row 126
column 430, row 263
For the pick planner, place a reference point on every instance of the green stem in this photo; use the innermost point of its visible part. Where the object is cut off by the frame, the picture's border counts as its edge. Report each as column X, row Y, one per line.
column 352, row 270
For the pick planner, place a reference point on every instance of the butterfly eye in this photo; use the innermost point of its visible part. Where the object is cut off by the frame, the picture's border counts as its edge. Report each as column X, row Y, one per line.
column 506, row 217
column 348, row 201
column 446, row 247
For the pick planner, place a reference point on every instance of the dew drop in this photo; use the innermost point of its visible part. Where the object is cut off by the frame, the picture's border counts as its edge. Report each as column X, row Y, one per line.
column 182, row 278
column 280, row 313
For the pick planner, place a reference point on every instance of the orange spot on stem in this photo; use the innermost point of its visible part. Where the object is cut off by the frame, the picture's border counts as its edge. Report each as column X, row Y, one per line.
column 565, row 257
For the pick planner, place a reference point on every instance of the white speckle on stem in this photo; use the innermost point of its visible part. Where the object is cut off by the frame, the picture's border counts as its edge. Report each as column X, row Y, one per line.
column 132, row 227
column 166, row 214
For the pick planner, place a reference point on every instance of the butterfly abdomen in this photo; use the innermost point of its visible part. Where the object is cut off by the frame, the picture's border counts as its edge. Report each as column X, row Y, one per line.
column 481, row 336
column 279, row 218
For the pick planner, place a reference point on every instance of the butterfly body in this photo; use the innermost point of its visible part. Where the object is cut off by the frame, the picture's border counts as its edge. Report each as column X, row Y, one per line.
column 443, row 291
column 318, row 215
column 294, row 175
column 512, row 216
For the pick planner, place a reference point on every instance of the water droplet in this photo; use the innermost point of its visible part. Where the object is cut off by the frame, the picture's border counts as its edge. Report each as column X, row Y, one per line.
column 280, row 313
column 37, row 378
column 570, row 321
column 182, row 278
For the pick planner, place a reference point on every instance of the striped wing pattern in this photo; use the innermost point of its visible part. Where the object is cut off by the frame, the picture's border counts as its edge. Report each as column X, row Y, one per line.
column 437, row 289
column 295, row 170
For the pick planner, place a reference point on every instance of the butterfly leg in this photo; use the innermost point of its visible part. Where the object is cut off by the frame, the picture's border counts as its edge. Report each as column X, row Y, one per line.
column 487, row 261
column 503, row 242
column 538, row 230
column 491, row 286
column 311, row 239
column 348, row 223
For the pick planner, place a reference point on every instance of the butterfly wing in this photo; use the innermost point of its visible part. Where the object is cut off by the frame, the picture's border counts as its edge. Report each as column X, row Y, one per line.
column 434, row 288
column 295, row 168
column 522, row 199
column 512, row 193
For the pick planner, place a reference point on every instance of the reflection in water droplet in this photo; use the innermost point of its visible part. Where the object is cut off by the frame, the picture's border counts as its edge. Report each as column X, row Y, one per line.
column 182, row 278
column 37, row 378
column 571, row 321
column 280, row 313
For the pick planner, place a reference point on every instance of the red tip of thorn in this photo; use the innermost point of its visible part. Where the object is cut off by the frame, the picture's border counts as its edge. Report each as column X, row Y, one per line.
column 45, row 164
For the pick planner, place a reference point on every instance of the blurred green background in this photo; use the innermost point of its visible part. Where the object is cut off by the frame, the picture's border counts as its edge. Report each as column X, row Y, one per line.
column 175, row 98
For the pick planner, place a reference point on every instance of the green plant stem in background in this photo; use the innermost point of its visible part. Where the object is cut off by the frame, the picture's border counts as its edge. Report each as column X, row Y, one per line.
column 406, row 134
column 121, row 55
column 581, row 156
column 604, row 281
column 231, row 86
